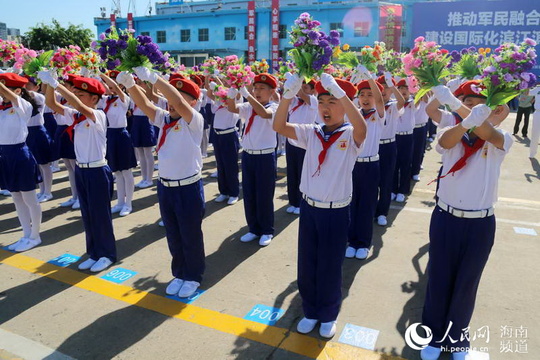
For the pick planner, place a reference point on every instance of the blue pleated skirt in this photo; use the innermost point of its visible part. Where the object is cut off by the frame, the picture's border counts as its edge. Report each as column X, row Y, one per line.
column 120, row 153
column 19, row 170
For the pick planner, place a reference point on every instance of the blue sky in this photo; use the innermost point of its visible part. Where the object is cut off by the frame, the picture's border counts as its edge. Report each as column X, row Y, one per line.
column 76, row 12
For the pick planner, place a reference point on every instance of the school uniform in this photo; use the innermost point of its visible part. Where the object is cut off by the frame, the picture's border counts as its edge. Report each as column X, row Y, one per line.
column 38, row 139
column 142, row 133
column 324, row 216
column 120, row 153
column 180, row 192
column 63, row 145
column 94, row 180
column 299, row 113
column 404, row 143
column 366, row 176
column 18, row 168
column 50, row 125
column 419, row 137
column 226, row 146
column 462, row 232
column 258, row 169
column 387, row 157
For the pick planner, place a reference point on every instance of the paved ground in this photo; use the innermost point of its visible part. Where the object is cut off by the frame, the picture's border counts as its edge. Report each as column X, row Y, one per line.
column 45, row 309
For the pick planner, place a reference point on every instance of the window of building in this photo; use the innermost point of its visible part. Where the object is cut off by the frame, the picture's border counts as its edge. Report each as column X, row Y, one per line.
column 161, row 36
column 282, row 31
column 185, row 35
column 338, row 27
column 230, row 33
column 203, row 34
column 145, row 33
column 361, row 29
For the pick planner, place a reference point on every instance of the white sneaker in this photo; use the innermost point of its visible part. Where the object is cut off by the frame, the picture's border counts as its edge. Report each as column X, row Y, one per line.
column 13, row 246
column 76, row 205
column 232, row 200
column 265, row 240
column 430, row 353
column 68, row 203
column 393, row 196
column 87, row 264
column 116, row 208
column 328, row 329
column 400, row 198
column 221, row 198
column 145, row 184
column 362, row 253
column 416, row 177
column 27, row 244
column 156, row 166
column 306, row 325
column 101, row 264
column 248, row 237
column 290, row 209
column 138, row 185
column 381, row 220
column 126, row 210
column 214, row 174
column 188, row 288
column 55, row 168
column 296, row 211
column 174, row 286
column 45, row 197
column 350, row 252
column 161, row 223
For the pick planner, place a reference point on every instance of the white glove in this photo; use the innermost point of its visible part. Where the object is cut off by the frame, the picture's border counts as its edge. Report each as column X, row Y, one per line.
column 454, row 84
column 292, row 86
column 126, row 79
column 85, row 72
column 48, row 77
column 388, row 79
column 166, row 77
column 231, row 93
column 445, row 96
column 478, row 115
column 213, row 85
column 329, row 83
column 244, row 91
column 360, row 73
column 145, row 74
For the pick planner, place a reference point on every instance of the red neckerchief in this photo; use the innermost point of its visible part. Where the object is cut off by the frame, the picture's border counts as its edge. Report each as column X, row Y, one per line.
column 220, row 107
column 387, row 105
column 78, row 118
column 164, row 133
column 63, row 102
column 110, row 101
column 250, row 120
column 327, row 143
column 407, row 103
column 300, row 103
column 5, row 106
column 368, row 114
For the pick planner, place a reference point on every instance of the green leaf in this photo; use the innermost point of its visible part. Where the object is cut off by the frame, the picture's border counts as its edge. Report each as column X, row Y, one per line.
column 348, row 59
column 420, row 94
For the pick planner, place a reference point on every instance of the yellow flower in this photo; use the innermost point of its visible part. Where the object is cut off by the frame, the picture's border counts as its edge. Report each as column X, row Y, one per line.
column 346, row 47
column 337, row 51
column 488, row 50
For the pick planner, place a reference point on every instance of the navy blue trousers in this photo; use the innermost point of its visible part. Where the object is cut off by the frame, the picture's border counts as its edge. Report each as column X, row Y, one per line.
column 182, row 210
column 432, row 128
column 387, row 165
column 364, row 201
column 95, row 188
column 419, row 148
column 322, row 239
column 258, row 187
column 226, row 151
column 402, row 173
column 458, row 251
column 295, row 160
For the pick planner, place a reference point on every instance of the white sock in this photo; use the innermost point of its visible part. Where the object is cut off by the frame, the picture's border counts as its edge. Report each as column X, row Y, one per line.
column 204, row 142
column 70, row 166
column 47, row 174
column 142, row 161
column 31, row 201
column 149, row 174
column 120, row 188
column 23, row 213
column 129, row 182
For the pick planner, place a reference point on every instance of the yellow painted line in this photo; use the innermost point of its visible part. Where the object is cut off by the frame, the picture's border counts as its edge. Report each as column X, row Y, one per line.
column 269, row 335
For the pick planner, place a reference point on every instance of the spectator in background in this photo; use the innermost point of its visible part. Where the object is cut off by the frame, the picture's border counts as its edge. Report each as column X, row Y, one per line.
column 524, row 110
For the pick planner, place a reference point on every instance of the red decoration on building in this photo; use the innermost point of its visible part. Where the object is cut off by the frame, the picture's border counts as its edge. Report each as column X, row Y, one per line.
column 275, row 31
column 390, row 25
column 130, row 21
column 251, row 33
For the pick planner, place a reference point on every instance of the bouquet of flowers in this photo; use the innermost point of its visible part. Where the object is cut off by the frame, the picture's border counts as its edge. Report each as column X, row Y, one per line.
column 507, row 72
column 123, row 51
column 220, row 93
column 210, row 65
column 371, row 57
column 259, row 67
column 8, row 49
column 90, row 60
column 38, row 63
column 228, row 61
column 428, row 63
column 392, row 63
column 240, row 75
column 65, row 60
column 468, row 65
column 282, row 67
column 313, row 49
column 23, row 56
column 345, row 57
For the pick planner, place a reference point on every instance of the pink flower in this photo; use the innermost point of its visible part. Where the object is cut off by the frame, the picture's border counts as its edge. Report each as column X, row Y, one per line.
column 419, row 39
column 431, row 44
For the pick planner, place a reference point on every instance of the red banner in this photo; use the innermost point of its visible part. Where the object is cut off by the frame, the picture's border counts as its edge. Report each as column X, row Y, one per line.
column 130, row 21
column 275, row 31
column 390, row 25
column 251, row 32
column 113, row 20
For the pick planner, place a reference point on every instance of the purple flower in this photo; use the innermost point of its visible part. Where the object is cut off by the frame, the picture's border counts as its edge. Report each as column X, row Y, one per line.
column 143, row 39
column 102, row 36
column 334, row 33
column 508, row 78
column 94, row 45
column 532, row 80
column 327, row 51
column 112, row 64
column 323, row 43
column 495, row 80
column 490, row 69
column 141, row 49
column 121, row 44
column 113, row 51
column 530, row 42
column 102, row 53
column 298, row 44
column 313, row 35
column 334, row 41
column 464, row 51
column 108, row 31
column 304, row 15
column 302, row 39
column 518, row 56
column 523, row 85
